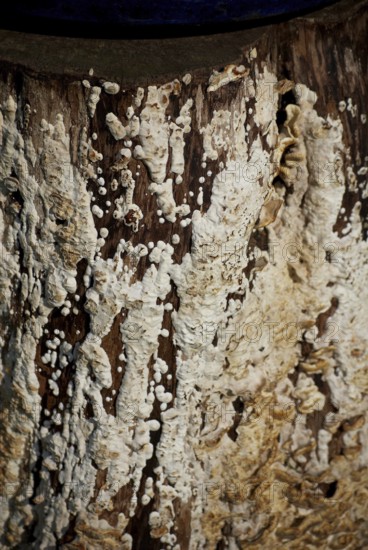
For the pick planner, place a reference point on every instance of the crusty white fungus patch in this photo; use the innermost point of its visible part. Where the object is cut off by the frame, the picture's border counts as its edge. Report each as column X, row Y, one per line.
column 176, row 141
column 233, row 338
column 187, row 79
column 93, row 99
column 52, row 255
column 125, row 209
column 231, row 73
column 111, row 88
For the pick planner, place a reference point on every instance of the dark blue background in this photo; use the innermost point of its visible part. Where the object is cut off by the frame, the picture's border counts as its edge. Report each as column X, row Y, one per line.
column 138, row 13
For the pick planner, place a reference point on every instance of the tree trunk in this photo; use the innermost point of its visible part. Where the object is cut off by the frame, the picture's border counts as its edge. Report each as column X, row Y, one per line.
column 183, row 285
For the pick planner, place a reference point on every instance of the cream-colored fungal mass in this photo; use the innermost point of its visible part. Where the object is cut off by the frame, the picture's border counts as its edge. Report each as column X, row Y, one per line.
column 211, row 348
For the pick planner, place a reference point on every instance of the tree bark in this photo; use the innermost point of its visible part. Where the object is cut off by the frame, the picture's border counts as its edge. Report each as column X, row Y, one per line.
column 183, row 288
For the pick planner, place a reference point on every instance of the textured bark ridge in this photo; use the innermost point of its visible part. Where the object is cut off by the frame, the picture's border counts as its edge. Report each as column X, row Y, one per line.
column 184, row 315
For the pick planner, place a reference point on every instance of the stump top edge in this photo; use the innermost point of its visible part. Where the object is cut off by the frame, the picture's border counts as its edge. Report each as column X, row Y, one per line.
column 142, row 61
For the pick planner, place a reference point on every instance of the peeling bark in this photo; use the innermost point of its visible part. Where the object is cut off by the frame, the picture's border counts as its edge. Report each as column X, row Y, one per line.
column 183, row 285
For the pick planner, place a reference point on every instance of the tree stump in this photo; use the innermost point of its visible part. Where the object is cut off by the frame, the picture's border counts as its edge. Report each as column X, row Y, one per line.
column 183, row 282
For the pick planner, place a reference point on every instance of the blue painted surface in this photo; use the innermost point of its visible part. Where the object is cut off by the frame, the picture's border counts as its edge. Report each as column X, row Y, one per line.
column 146, row 13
